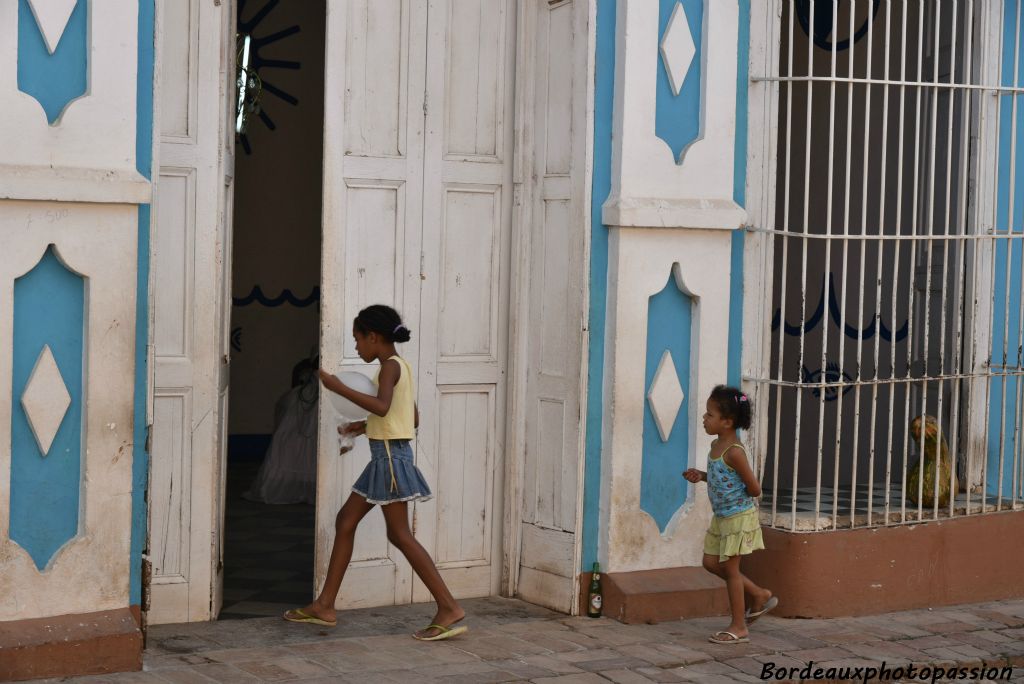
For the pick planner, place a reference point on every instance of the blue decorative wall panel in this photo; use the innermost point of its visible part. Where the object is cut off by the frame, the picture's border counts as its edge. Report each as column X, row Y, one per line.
column 662, row 487
column 49, row 310
column 53, row 79
column 678, row 116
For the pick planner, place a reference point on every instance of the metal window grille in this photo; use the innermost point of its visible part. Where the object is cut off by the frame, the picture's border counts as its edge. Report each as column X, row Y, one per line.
column 891, row 294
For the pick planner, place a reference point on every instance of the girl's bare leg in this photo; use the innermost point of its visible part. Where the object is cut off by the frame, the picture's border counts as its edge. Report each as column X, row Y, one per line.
column 734, row 585
column 355, row 508
column 448, row 610
column 757, row 596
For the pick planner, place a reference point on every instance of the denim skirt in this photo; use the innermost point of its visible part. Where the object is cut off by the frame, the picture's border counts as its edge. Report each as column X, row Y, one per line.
column 391, row 475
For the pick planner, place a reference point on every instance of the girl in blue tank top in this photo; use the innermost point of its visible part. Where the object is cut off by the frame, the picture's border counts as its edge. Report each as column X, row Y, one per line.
column 735, row 528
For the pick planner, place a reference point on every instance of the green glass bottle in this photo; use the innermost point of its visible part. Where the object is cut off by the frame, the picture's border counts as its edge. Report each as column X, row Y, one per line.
column 595, row 599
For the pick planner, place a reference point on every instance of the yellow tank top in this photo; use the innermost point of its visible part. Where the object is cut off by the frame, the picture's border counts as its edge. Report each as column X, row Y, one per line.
column 399, row 423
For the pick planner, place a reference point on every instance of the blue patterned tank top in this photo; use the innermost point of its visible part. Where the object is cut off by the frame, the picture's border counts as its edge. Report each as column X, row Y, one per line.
column 726, row 490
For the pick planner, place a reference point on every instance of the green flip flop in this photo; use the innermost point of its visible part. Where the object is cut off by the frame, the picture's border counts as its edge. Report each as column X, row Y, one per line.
column 446, row 633
column 307, row 618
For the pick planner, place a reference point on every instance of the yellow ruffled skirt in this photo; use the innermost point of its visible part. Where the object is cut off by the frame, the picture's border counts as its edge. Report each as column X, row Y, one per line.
column 736, row 535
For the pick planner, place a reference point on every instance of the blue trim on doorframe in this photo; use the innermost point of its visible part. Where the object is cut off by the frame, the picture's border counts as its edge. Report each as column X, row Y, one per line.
column 739, row 191
column 144, row 163
column 604, row 98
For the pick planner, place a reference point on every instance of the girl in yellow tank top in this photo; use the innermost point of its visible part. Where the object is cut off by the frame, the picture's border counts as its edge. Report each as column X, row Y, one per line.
column 391, row 478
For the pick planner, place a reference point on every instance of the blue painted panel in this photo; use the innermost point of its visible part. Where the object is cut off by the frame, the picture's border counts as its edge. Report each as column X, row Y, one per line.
column 677, row 117
column 54, row 80
column 604, row 92
column 739, row 187
column 662, row 487
column 49, row 309
column 1007, row 277
column 143, row 162
column 739, row 193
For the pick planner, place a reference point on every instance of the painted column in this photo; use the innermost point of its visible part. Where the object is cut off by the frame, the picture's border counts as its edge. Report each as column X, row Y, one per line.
column 671, row 215
column 73, row 194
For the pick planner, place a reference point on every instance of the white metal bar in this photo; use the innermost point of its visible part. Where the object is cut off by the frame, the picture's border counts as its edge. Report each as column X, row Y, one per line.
column 803, row 262
column 836, row 468
column 995, row 89
column 930, row 221
column 988, row 237
column 913, row 225
column 961, row 227
column 828, row 262
column 879, row 260
column 948, row 377
column 785, row 259
column 945, row 245
column 862, row 280
column 896, row 258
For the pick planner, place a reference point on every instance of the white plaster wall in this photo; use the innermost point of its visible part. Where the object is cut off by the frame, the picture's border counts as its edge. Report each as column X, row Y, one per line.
column 661, row 214
column 703, row 257
column 277, row 222
column 648, row 187
column 89, row 153
column 91, row 572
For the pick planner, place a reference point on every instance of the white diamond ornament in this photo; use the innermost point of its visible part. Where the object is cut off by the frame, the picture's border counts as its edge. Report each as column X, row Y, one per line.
column 52, row 18
column 677, row 48
column 45, row 400
column 665, row 395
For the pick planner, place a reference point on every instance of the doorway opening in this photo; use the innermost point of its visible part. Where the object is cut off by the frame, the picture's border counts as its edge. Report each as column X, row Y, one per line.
column 275, row 320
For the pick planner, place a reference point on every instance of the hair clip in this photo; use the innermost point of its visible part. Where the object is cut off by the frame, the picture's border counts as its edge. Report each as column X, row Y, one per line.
column 397, row 328
column 743, row 397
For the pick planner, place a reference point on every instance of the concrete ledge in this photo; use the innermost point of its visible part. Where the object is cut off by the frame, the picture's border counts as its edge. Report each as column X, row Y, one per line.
column 92, row 643
column 650, row 596
column 869, row 571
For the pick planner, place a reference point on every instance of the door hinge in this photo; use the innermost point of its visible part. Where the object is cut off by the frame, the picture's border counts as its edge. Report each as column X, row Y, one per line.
column 423, row 266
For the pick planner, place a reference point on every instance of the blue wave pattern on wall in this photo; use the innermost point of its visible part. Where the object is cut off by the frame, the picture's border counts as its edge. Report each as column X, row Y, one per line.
column 833, row 307
column 286, row 297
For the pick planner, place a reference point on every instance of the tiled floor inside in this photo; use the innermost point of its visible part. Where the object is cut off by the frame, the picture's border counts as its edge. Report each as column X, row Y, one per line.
column 268, row 554
column 805, row 506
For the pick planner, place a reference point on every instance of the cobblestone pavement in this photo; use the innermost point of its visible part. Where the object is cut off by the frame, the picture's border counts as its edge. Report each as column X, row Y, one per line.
column 514, row 641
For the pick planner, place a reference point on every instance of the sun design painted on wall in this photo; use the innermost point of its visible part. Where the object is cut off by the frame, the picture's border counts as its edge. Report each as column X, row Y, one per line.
column 257, row 65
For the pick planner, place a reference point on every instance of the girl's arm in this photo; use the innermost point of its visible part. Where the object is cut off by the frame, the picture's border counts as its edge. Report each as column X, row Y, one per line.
column 378, row 405
column 737, row 460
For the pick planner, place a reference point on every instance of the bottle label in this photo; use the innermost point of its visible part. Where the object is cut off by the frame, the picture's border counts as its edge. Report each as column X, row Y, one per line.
column 595, row 601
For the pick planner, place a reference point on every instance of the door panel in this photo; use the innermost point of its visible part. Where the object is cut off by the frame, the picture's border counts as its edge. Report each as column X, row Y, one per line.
column 417, row 199
column 373, row 167
column 555, row 282
column 467, row 216
column 192, row 191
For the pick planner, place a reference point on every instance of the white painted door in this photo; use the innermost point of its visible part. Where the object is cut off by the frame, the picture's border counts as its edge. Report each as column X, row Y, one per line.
column 463, row 320
column 373, row 168
column 417, row 207
column 190, row 252
column 556, row 93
